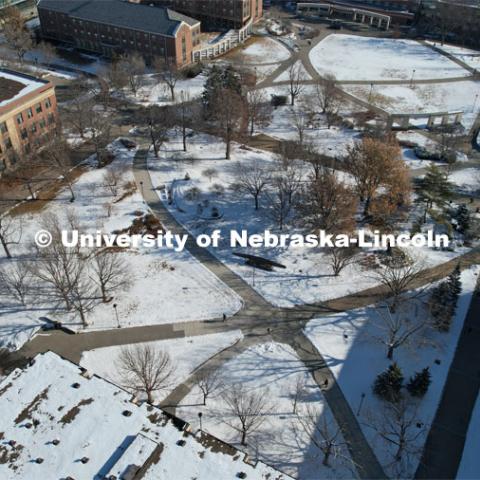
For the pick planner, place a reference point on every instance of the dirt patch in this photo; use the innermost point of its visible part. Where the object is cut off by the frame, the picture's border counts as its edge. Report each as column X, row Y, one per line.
column 26, row 413
column 69, row 417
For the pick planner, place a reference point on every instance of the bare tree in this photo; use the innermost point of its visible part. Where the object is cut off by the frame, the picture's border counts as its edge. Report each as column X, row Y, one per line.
column 228, row 109
column 17, row 280
column 279, row 200
column 325, row 435
column 15, row 32
column 110, row 273
column 159, row 121
column 79, row 109
column 295, row 81
column 341, row 257
column 259, row 110
column 132, row 67
column 100, row 127
column 300, row 120
column 297, row 392
column 249, row 409
column 208, row 383
column 398, row 275
column 168, row 74
column 399, row 426
column 144, row 368
column 111, row 180
column 397, row 328
column 325, row 92
column 251, row 180
column 10, row 233
column 327, row 203
column 183, row 116
column 48, row 52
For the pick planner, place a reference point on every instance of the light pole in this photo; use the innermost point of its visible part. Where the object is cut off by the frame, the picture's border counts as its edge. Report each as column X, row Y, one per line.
column 475, row 103
column 370, row 94
column 141, row 189
column 411, row 80
column 361, row 403
column 116, row 315
column 200, row 419
column 253, row 276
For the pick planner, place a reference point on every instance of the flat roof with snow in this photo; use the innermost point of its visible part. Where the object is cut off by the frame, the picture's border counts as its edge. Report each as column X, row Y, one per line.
column 57, row 423
column 15, row 85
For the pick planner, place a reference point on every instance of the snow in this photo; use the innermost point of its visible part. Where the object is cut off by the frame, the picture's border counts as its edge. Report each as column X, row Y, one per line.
column 264, row 51
column 466, row 55
column 468, row 179
column 186, row 355
column 430, row 98
column 351, row 57
column 304, row 75
column 274, row 370
column 348, row 342
column 29, row 86
column 98, row 422
column 470, row 464
column 184, row 288
column 307, row 277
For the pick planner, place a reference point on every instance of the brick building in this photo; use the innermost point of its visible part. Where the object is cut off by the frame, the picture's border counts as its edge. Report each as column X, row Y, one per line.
column 113, row 27
column 218, row 13
column 28, row 115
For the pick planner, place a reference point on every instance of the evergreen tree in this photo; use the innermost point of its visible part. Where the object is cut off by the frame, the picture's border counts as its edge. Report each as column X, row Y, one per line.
column 434, row 189
column 388, row 384
column 418, row 384
column 219, row 79
column 455, row 283
column 462, row 216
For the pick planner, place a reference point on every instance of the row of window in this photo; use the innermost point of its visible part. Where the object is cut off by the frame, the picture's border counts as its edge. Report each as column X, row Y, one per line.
column 38, row 109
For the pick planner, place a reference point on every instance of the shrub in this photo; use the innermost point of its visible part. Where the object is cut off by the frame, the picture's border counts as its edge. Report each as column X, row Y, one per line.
column 279, row 100
column 418, row 384
column 388, row 384
column 192, row 194
column 217, row 189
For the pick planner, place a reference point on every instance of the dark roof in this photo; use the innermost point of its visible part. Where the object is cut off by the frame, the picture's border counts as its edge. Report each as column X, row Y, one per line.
column 120, row 13
column 9, row 88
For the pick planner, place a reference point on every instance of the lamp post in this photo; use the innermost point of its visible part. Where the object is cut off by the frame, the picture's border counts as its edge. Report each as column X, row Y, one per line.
column 411, row 80
column 475, row 103
column 200, row 414
column 141, row 189
column 116, row 315
column 361, row 403
column 370, row 94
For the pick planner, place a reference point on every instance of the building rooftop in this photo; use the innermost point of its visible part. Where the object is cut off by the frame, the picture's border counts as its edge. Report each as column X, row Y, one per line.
column 119, row 13
column 57, row 421
column 15, row 85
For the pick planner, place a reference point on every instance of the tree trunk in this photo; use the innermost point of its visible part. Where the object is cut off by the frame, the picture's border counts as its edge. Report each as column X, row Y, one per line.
column 172, row 92
column 244, row 438
column 256, row 202
column 390, row 350
column 227, row 153
column 184, row 137
column 5, row 246
column 326, row 455
column 292, row 103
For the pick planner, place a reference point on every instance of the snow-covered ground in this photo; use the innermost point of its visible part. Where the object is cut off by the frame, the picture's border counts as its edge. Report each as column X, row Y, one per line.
column 470, row 465
column 186, row 354
column 298, row 66
column 466, row 180
column 263, row 51
column 56, row 423
column 351, row 57
column 466, row 55
column 307, row 277
column 274, row 370
column 166, row 286
column 349, row 342
column 430, row 98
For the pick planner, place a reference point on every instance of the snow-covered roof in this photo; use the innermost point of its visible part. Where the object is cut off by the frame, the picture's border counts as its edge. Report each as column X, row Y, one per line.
column 16, row 85
column 59, row 422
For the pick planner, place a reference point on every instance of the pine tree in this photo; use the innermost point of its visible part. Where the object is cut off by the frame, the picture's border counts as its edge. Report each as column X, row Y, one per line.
column 218, row 80
column 434, row 189
column 455, row 283
column 388, row 384
column 462, row 216
column 418, row 384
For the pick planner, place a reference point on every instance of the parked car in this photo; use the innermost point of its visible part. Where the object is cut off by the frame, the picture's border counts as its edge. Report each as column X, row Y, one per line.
column 127, row 143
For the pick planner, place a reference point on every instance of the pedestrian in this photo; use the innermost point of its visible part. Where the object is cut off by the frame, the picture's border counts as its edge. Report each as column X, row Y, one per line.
column 224, row 317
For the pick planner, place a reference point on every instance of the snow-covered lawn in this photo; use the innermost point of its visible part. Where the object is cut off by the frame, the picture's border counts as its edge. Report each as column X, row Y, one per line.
column 186, row 354
column 349, row 343
column 467, row 180
column 155, row 92
column 274, row 370
column 285, row 76
column 263, row 51
column 466, row 55
column 470, row 465
column 351, row 57
column 166, row 286
column 307, row 277
column 431, row 98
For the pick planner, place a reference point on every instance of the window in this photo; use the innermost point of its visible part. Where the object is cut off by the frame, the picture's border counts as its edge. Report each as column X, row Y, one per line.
column 8, row 144
column 42, row 123
column 48, row 103
column 19, row 118
column 29, row 113
column 38, row 108
column 3, row 127
column 24, row 133
column 51, row 118
column 33, row 128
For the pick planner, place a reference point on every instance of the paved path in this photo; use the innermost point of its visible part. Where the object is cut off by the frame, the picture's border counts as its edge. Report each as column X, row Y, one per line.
column 444, row 446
